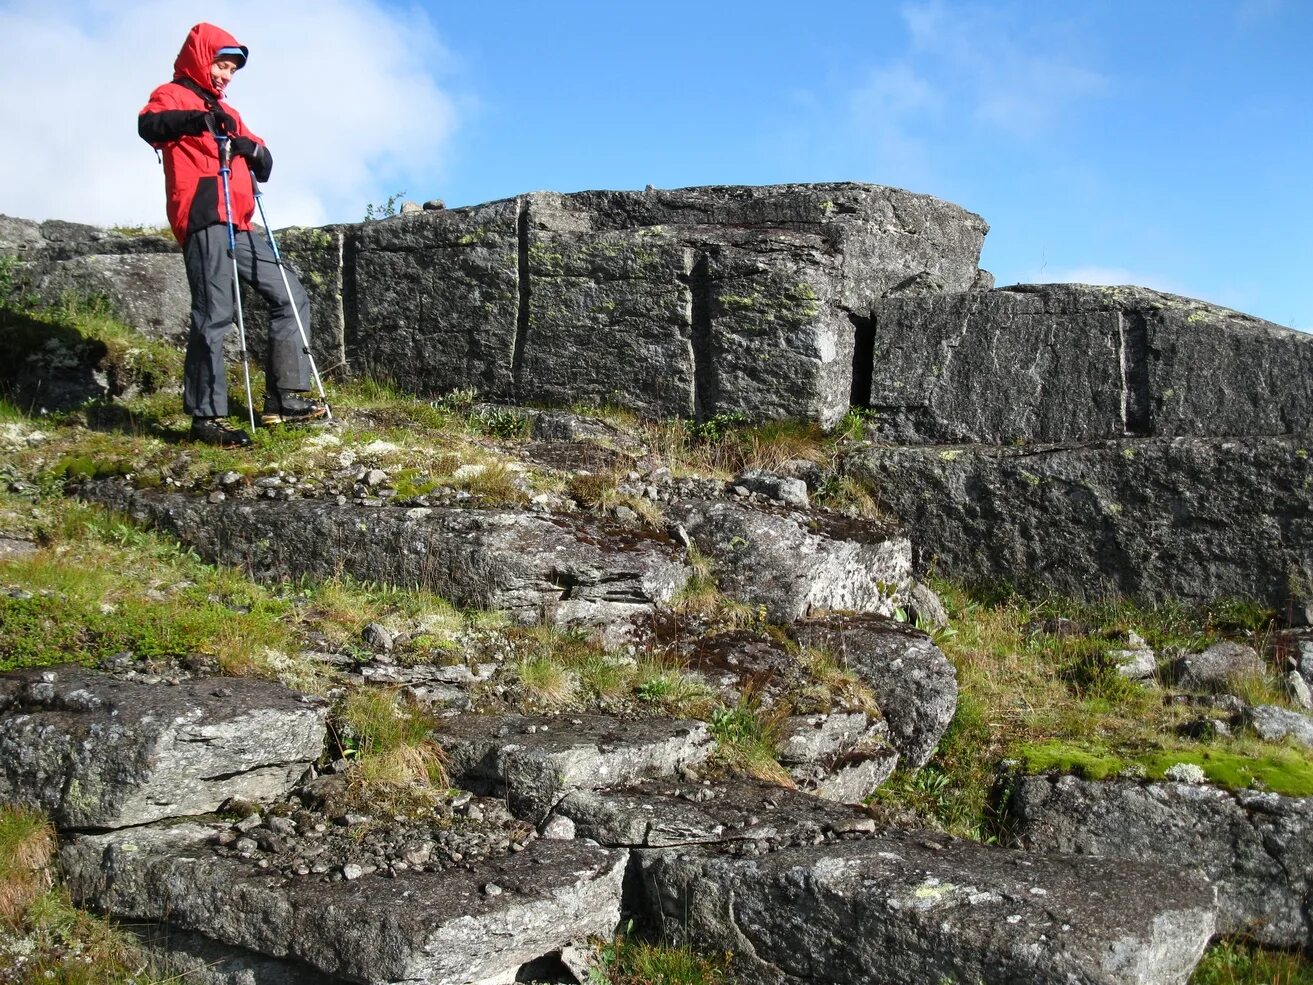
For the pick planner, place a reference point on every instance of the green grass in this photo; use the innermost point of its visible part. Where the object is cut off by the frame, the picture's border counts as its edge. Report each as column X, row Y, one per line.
column 628, row 960
column 747, row 737
column 1241, row 963
column 398, row 767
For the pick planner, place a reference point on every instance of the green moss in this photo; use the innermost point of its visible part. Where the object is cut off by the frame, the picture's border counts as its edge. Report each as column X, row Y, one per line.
column 1230, row 962
column 1280, row 770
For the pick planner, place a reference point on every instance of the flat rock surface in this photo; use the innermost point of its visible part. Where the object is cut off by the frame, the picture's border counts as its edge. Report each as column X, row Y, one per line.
column 98, row 752
column 1257, row 848
column 792, row 563
column 933, row 909
column 664, row 813
column 534, row 760
column 913, row 682
column 1194, row 519
column 454, row 927
column 566, row 570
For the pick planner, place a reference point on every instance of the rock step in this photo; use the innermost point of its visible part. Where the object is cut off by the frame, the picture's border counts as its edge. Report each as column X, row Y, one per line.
column 451, row 928
column 1194, row 519
column 535, row 760
column 535, row 567
column 98, row 752
column 666, row 813
column 1256, row 847
column 917, row 907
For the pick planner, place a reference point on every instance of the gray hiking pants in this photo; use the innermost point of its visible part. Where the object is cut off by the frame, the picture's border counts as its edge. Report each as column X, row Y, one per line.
column 210, row 276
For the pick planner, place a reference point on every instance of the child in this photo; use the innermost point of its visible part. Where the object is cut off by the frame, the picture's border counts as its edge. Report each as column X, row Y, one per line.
column 182, row 120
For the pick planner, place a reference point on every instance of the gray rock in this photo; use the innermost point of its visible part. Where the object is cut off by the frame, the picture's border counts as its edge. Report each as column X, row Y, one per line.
column 1070, row 362
column 666, row 813
column 99, row 752
column 933, row 909
column 1137, row 663
column 1218, row 667
column 568, row 571
column 535, row 760
column 925, row 609
column 434, row 927
column 793, row 563
column 465, row 266
column 1298, row 690
column 197, row 960
column 559, row 828
column 914, row 684
column 1257, row 848
column 378, row 637
column 1274, row 724
column 1187, row 518
column 843, row 756
column 790, row 491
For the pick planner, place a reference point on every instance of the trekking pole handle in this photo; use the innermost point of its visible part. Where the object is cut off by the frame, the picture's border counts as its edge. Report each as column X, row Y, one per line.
column 225, row 152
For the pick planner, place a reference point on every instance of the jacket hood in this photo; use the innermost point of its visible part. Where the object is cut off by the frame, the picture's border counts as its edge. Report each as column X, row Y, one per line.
column 198, row 51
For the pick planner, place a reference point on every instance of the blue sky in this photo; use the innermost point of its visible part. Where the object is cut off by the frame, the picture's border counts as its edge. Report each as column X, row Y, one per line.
column 1159, row 143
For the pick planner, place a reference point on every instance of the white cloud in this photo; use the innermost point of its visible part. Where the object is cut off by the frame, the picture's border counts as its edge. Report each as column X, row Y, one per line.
column 345, row 94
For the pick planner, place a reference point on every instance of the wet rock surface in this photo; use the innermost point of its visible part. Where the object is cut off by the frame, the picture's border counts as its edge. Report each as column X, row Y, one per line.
column 1254, row 846
column 97, row 752
column 932, row 908
column 455, row 927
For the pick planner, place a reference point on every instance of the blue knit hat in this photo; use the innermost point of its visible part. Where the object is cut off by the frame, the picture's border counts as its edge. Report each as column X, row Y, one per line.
column 238, row 53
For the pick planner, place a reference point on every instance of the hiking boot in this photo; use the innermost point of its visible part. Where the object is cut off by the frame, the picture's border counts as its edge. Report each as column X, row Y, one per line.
column 290, row 408
column 217, row 431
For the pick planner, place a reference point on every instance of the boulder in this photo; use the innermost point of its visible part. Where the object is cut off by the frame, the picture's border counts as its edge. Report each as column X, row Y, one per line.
column 714, row 300
column 1257, row 848
column 792, row 563
column 186, row 956
column 569, row 571
column 913, row 682
column 95, row 751
column 140, row 278
column 1218, row 667
column 1070, row 362
column 1274, row 724
column 452, row 927
column 1194, row 519
column 915, row 907
column 535, row 760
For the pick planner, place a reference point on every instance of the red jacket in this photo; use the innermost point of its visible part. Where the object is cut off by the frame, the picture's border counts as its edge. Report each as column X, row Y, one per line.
column 178, row 121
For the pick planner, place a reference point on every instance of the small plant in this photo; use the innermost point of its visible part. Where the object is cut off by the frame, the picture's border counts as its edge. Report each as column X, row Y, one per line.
column 387, row 736
column 1235, row 962
column 627, row 960
column 748, row 734
column 375, row 212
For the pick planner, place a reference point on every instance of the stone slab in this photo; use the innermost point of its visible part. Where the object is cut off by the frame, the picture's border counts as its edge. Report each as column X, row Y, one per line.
column 1256, row 847
column 916, row 907
column 94, row 751
column 534, row 760
column 446, row 928
column 1195, row 519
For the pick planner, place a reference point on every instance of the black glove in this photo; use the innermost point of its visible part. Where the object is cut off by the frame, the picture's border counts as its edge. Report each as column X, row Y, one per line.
column 246, row 147
column 223, row 121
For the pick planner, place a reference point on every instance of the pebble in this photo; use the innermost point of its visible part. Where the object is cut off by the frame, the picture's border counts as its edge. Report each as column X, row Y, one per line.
column 351, row 871
column 492, row 889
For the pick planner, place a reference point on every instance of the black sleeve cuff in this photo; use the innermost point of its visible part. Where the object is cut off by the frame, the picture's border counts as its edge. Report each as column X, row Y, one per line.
column 170, row 124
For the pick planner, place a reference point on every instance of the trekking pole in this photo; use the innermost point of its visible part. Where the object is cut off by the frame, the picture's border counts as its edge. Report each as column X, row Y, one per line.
column 225, row 168
column 296, row 312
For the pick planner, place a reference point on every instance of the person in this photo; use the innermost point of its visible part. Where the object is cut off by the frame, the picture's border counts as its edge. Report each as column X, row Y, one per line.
column 182, row 121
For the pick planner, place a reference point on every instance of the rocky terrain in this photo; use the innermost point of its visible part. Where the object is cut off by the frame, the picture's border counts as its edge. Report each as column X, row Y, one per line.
column 682, row 561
